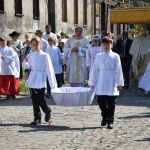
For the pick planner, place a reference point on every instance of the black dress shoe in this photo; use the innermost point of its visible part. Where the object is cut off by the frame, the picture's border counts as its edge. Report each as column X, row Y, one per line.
column 104, row 122
column 110, row 126
column 47, row 117
column 36, row 122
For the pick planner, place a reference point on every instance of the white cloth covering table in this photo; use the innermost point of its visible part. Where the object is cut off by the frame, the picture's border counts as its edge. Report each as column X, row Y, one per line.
column 73, row 96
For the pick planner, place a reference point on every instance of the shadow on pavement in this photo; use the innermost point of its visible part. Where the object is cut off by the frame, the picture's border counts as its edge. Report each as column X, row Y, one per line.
column 141, row 115
column 47, row 128
column 126, row 98
column 144, row 140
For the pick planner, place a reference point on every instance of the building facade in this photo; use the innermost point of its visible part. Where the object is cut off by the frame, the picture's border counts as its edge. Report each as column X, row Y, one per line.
column 30, row 15
column 23, row 16
column 65, row 15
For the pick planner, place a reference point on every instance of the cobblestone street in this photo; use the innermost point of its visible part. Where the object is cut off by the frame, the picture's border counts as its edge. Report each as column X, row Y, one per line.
column 77, row 128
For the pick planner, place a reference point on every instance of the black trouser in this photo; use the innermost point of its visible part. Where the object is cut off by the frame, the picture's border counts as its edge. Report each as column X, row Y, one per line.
column 126, row 64
column 59, row 79
column 107, row 106
column 38, row 100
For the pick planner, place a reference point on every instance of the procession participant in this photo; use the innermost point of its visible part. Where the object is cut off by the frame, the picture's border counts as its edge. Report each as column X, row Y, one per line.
column 27, row 38
column 145, row 81
column 17, row 45
column 41, row 67
column 61, row 47
column 92, row 51
column 48, row 33
column 122, row 47
column 39, row 33
column 139, row 51
column 63, row 38
column 75, row 57
column 57, row 61
column 27, row 51
column 107, row 80
column 10, row 70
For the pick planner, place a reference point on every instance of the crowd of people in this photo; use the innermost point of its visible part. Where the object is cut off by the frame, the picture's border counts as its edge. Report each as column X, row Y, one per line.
column 48, row 61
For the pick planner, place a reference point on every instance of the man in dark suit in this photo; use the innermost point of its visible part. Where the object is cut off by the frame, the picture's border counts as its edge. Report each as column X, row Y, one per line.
column 122, row 47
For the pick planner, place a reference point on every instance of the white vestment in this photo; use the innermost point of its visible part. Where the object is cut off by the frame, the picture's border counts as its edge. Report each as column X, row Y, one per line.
column 44, row 44
column 46, row 36
column 56, row 58
column 41, row 68
column 91, row 53
column 106, row 74
column 10, row 64
column 139, row 50
column 76, row 62
column 145, row 81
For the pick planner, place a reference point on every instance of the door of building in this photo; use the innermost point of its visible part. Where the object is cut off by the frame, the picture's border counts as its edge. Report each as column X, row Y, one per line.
column 51, row 14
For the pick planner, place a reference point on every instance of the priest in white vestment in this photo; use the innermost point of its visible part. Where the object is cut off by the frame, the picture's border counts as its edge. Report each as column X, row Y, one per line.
column 75, row 56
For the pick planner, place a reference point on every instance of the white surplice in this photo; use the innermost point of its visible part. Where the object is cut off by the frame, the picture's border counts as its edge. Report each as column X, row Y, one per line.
column 46, row 36
column 56, row 58
column 145, row 81
column 76, row 62
column 10, row 64
column 91, row 53
column 44, row 44
column 106, row 74
column 41, row 68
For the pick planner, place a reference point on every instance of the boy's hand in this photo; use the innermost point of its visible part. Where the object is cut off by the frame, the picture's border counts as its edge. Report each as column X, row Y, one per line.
column 119, row 87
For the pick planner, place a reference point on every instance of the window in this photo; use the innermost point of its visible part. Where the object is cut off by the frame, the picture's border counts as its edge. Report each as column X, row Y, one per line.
column 1, row 6
column 75, row 12
column 64, row 10
column 97, row 15
column 36, row 11
column 18, row 8
column 84, row 12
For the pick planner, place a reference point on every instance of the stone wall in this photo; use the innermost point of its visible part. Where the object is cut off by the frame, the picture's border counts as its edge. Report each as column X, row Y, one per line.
column 69, row 26
column 9, row 22
column 26, row 23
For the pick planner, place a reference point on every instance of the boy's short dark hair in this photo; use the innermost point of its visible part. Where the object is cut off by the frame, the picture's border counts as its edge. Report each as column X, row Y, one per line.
column 39, row 31
column 48, row 26
column 107, row 40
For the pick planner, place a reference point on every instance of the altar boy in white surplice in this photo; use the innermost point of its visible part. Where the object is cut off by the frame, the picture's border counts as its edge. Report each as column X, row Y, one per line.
column 75, row 54
column 107, row 80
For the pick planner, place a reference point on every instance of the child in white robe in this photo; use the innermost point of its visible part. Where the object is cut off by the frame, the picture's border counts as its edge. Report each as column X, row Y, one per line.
column 145, row 81
column 41, row 67
column 92, row 51
column 57, row 62
column 10, row 70
column 107, row 80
